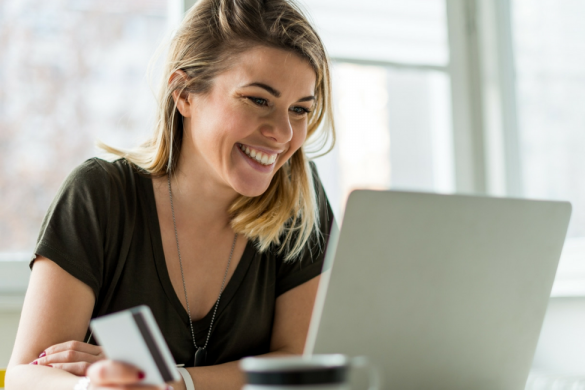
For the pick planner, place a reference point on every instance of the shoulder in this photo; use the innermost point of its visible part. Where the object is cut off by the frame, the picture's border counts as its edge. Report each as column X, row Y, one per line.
column 323, row 206
column 324, row 218
column 97, row 168
column 98, row 173
column 100, row 183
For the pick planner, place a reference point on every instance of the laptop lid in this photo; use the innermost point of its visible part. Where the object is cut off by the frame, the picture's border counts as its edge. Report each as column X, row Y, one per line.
column 440, row 291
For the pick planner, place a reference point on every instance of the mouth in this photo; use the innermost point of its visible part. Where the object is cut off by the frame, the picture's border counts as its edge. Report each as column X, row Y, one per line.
column 259, row 156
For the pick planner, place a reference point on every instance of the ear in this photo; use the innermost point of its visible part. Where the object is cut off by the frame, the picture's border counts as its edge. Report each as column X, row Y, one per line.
column 183, row 102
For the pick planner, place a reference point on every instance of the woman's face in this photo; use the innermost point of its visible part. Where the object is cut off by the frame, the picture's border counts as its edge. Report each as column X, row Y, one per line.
column 252, row 120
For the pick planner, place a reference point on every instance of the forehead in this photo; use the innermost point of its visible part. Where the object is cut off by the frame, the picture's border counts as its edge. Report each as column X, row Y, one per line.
column 281, row 69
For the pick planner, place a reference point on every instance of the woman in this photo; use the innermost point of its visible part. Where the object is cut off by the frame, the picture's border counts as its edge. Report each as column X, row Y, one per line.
column 218, row 223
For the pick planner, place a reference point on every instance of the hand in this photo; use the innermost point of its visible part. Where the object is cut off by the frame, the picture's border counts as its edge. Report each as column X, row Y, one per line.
column 110, row 374
column 73, row 356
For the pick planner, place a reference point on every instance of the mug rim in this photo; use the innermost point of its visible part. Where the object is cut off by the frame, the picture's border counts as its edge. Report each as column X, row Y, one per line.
column 293, row 363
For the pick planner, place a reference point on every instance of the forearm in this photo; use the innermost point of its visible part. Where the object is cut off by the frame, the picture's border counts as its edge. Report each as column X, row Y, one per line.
column 29, row 377
column 222, row 376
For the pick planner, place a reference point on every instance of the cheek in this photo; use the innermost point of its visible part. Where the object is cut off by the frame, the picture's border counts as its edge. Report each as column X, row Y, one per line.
column 225, row 126
column 236, row 120
column 299, row 135
column 298, row 139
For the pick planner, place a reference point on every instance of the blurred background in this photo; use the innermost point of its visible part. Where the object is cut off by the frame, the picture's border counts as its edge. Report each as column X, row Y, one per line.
column 466, row 96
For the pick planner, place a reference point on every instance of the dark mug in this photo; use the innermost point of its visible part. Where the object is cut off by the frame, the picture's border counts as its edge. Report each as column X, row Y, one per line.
column 317, row 372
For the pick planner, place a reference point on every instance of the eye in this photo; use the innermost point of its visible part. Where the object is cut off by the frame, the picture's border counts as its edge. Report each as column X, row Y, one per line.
column 300, row 110
column 258, row 101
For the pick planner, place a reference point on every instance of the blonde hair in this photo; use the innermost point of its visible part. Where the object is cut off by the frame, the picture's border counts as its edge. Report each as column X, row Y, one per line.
column 212, row 32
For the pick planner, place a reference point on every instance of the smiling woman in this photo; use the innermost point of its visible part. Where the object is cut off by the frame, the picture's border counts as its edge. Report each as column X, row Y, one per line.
column 218, row 222
column 269, row 44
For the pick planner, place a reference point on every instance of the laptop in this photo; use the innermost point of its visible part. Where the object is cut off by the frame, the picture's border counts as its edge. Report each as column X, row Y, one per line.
column 439, row 291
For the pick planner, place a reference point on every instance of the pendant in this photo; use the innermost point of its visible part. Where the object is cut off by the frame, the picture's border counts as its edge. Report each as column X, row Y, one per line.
column 200, row 357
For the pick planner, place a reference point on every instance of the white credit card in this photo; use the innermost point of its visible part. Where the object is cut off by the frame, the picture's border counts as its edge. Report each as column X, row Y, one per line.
column 132, row 336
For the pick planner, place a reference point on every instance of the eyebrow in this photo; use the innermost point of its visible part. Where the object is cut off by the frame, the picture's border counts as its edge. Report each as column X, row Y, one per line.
column 275, row 92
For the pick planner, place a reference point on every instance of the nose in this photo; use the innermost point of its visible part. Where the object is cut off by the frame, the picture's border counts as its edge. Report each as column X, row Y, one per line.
column 279, row 128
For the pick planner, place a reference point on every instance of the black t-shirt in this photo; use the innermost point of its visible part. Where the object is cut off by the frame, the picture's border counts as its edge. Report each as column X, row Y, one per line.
column 103, row 229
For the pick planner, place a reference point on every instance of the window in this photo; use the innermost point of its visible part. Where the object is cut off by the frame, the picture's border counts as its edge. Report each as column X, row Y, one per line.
column 393, row 131
column 418, row 105
column 71, row 72
column 391, row 93
column 550, row 62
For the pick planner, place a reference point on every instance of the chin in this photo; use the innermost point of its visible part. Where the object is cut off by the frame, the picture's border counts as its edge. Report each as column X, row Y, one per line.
column 250, row 189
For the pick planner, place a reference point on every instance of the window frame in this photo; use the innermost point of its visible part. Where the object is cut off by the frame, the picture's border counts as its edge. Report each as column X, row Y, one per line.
column 484, row 116
column 484, row 112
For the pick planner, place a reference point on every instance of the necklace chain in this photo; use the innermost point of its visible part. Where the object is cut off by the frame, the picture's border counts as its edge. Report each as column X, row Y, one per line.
column 183, row 276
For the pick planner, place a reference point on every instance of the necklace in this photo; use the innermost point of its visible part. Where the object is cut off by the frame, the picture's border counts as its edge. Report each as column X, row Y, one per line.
column 200, row 352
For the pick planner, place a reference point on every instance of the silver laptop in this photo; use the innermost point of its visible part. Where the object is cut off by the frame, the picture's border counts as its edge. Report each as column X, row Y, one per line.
column 440, row 291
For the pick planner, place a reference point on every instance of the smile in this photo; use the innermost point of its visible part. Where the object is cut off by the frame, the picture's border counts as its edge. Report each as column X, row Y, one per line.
column 259, row 156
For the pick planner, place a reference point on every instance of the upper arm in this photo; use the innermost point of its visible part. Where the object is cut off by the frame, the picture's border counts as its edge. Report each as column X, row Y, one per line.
column 292, row 317
column 69, row 266
column 57, row 308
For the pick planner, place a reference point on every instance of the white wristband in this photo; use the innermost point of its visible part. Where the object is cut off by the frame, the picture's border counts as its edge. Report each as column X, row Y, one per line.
column 83, row 384
column 186, row 378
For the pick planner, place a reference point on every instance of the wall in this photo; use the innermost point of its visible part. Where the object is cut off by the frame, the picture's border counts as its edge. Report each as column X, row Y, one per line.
column 561, row 347
column 13, row 282
column 8, row 326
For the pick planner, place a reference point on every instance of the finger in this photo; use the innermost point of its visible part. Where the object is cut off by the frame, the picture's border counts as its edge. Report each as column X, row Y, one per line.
column 67, row 357
column 73, row 346
column 78, row 369
column 110, row 372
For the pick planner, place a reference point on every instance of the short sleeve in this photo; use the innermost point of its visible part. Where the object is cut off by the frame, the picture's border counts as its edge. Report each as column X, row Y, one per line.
column 73, row 230
column 293, row 273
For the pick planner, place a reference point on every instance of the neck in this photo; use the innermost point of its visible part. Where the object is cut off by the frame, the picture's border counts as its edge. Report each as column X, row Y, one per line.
column 198, row 193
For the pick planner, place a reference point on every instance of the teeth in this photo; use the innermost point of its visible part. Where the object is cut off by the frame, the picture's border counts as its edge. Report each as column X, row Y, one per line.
column 262, row 158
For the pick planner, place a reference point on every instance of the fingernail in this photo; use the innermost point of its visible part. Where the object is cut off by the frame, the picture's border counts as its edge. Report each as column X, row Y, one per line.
column 43, row 354
column 48, row 365
column 170, row 388
column 34, row 362
column 141, row 375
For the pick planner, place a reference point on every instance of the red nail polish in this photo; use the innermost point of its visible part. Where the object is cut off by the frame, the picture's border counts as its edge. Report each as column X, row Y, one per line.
column 34, row 362
column 43, row 354
column 141, row 375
